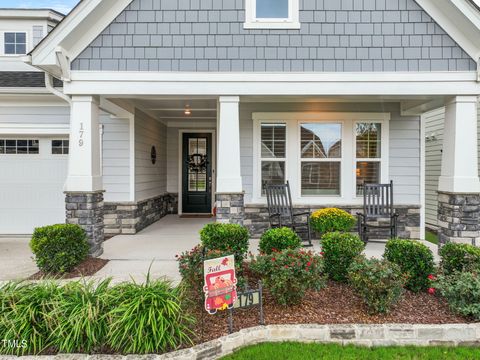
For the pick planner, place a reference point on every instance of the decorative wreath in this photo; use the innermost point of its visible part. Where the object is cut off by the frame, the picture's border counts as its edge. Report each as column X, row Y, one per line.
column 197, row 163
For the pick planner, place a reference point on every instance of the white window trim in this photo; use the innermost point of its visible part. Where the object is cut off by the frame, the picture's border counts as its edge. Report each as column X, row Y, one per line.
column 2, row 42
column 252, row 22
column 384, row 170
column 292, row 172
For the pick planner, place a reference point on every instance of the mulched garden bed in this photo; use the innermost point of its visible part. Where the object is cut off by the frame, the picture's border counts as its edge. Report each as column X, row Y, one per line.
column 335, row 304
column 88, row 267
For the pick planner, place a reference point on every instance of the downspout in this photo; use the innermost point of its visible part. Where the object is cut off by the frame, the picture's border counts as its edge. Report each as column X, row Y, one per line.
column 49, row 86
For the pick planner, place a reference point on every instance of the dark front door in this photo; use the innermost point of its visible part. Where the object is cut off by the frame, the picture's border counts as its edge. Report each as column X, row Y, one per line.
column 197, row 173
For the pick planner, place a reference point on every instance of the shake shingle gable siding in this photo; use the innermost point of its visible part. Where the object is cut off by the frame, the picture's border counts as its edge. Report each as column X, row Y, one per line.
column 335, row 36
column 20, row 79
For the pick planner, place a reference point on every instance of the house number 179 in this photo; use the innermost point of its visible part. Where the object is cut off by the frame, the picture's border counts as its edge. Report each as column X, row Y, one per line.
column 81, row 132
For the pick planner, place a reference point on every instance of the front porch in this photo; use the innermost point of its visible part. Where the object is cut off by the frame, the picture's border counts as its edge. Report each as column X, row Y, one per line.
column 211, row 154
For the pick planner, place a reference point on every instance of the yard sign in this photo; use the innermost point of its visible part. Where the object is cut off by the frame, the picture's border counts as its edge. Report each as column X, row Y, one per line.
column 220, row 284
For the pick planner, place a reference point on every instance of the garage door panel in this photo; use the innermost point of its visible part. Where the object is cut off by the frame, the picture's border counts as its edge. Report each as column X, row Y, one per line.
column 31, row 190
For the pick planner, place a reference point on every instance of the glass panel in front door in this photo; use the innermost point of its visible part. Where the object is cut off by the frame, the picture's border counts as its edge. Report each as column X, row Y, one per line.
column 197, row 164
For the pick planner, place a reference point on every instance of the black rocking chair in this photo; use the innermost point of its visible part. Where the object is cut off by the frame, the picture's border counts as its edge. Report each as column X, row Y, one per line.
column 281, row 213
column 377, row 204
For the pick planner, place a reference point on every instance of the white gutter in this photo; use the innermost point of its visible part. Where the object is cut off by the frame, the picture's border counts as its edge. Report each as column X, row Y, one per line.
column 49, row 86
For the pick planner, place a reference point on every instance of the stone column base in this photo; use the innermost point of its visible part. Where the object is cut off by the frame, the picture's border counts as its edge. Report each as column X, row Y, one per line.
column 458, row 218
column 87, row 210
column 230, row 208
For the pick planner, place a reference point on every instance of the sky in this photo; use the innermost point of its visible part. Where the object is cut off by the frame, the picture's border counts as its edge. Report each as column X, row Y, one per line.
column 64, row 6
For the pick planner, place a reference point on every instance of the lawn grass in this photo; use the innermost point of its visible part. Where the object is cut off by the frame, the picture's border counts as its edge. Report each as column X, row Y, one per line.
column 298, row 351
column 431, row 237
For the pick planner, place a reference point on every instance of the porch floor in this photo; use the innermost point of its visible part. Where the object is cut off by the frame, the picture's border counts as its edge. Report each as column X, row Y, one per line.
column 155, row 247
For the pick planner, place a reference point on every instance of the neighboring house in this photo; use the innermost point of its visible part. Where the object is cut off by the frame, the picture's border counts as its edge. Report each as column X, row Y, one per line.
column 208, row 99
column 434, row 128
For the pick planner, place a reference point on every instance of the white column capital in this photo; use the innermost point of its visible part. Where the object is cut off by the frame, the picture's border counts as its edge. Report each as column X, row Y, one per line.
column 460, row 147
column 229, row 99
column 86, row 98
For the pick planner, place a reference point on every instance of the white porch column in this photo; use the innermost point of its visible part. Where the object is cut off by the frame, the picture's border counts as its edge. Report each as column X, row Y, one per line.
column 229, row 179
column 84, row 185
column 84, row 166
column 459, row 184
column 229, row 196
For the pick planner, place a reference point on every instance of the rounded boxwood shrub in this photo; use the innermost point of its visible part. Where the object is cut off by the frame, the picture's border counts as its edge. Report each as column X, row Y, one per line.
column 378, row 282
column 231, row 238
column 459, row 257
column 339, row 251
column 279, row 239
column 59, row 248
column 289, row 274
column 332, row 220
column 415, row 260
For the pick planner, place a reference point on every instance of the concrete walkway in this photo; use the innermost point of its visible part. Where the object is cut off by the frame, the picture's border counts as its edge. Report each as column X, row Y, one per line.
column 131, row 256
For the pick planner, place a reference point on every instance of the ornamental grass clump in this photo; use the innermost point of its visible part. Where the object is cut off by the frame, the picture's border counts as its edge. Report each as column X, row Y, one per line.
column 462, row 292
column 459, row 257
column 414, row 259
column 230, row 238
column 289, row 274
column 378, row 282
column 339, row 251
column 25, row 317
column 332, row 220
column 279, row 239
column 59, row 248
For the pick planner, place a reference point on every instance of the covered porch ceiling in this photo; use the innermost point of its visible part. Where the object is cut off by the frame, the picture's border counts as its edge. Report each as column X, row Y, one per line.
column 172, row 109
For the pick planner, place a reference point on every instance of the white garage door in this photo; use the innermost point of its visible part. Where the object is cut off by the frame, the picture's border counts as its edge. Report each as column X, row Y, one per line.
column 32, row 174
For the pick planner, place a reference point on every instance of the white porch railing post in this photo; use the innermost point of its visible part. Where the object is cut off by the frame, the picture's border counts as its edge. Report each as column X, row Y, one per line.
column 229, row 197
column 84, row 185
column 459, row 184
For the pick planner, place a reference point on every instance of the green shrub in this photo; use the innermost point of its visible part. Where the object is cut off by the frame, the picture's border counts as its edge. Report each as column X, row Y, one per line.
column 289, row 274
column 459, row 257
column 226, row 237
column 378, row 282
column 25, row 317
column 462, row 292
column 339, row 251
column 415, row 260
column 59, row 248
column 80, row 316
column 190, row 264
column 279, row 239
column 332, row 220
column 147, row 318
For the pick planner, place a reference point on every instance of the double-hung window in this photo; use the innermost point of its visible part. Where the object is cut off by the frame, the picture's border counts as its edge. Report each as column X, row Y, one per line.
column 15, row 43
column 273, row 153
column 368, row 153
column 272, row 14
column 320, row 159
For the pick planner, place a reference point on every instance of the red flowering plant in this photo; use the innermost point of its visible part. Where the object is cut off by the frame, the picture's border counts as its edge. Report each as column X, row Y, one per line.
column 289, row 274
column 432, row 279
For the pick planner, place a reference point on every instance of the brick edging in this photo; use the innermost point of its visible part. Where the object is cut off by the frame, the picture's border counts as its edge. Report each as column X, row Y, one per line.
column 363, row 335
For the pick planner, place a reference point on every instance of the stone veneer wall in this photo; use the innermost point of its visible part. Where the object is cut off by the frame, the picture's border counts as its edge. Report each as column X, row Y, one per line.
column 459, row 218
column 87, row 210
column 130, row 218
column 257, row 220
column 230, row 208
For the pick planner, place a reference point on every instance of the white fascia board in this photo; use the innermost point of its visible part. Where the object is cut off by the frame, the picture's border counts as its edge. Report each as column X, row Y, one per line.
column 39, row 14
column 77, row 30
column 243, row 84
column 460, row 20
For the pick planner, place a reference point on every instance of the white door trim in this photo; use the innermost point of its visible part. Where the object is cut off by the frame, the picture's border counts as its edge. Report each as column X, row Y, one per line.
column 180, row 168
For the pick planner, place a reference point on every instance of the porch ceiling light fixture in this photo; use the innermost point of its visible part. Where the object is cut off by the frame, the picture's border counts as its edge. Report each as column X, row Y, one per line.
column 188, row 111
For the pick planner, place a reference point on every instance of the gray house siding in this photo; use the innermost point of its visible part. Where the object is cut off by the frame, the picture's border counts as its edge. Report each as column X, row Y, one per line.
column 150, row 179
column 404, row 143
column 335, row 36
